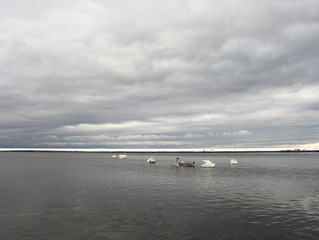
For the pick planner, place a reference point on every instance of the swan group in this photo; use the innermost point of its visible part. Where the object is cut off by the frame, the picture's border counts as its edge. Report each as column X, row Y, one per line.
column 178, row 162
column 207, row 163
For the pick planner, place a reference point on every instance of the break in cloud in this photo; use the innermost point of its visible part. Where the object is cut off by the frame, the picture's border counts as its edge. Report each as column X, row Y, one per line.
column 176, row 73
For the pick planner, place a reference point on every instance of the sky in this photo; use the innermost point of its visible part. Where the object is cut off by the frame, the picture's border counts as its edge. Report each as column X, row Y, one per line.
column 159, row 74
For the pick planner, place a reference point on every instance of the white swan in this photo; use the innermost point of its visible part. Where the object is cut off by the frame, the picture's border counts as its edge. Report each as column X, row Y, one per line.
column 122, row 156
column 208, row 164
column 175, row 164
column 233, row 162
column 114, row 156
column 151, row 160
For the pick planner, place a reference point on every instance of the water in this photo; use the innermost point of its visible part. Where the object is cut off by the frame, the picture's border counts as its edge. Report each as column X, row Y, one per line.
column 92, row 196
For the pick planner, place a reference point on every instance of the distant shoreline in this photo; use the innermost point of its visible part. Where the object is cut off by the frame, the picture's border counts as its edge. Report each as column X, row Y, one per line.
column 193, row 150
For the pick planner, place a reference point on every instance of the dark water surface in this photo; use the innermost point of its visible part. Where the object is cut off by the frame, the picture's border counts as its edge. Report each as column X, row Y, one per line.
column 92, row 196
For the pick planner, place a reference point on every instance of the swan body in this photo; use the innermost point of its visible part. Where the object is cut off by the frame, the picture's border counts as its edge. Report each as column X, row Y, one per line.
column 114, row 156
column 208, row 164
column 233, row 162
column 190, row 164
column 178, row 163
column 151, row 160
column 181, row 163
column 122, row 156
column 174, row 164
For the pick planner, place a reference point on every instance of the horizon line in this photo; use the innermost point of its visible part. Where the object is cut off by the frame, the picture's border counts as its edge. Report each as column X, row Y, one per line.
column 163, row 150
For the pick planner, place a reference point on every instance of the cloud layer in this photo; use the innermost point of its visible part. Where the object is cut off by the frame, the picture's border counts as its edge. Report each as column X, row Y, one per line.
column 178, row 73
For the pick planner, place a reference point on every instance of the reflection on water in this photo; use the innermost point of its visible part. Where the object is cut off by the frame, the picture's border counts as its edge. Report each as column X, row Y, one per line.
column 93, row 196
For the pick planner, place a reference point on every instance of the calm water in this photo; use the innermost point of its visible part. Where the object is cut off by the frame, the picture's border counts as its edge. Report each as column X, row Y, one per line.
column 92, row 196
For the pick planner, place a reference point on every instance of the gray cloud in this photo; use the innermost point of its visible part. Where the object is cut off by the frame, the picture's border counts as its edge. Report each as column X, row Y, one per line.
column 158, row 74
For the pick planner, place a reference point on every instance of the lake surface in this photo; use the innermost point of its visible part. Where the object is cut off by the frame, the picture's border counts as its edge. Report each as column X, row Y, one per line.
column 70, row 196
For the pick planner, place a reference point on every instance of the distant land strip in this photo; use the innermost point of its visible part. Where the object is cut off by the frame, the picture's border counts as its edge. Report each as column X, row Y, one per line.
column 167, row 150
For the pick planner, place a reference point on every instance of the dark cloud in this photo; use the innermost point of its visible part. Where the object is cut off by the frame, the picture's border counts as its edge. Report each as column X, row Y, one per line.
column 158, row 74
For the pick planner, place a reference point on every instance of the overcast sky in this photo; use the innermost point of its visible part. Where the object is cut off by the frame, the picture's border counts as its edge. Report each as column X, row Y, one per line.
column 159, row 73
